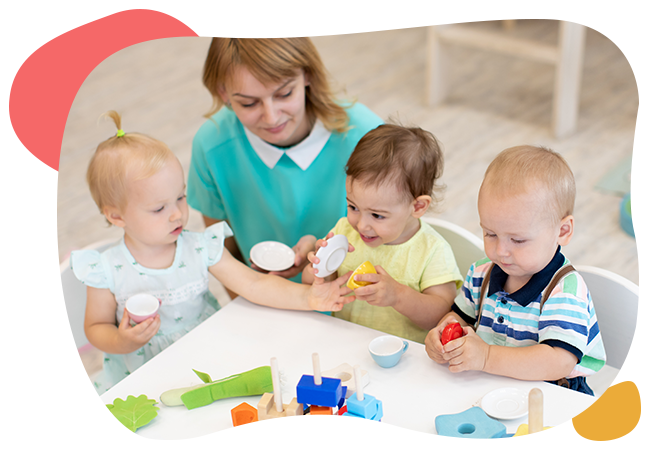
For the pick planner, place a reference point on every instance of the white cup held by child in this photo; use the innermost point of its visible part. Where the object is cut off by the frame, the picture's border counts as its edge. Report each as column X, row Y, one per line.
column 142, row 306
column 387, row 350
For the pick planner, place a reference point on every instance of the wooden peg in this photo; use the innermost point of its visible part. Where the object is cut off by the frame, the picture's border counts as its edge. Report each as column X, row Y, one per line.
column 277, row 389
column 535, row 411
column 357, row 382
column 317, row 375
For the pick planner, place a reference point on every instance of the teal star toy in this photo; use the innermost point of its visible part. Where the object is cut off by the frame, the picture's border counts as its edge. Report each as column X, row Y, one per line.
column 470, row 431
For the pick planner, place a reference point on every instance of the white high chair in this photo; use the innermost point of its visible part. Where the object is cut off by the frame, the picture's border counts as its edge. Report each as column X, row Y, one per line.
column 467, row 247
column 69, row 311
column 616, row 300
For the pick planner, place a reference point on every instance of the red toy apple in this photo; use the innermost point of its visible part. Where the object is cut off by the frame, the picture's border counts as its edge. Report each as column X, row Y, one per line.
column 451, row 332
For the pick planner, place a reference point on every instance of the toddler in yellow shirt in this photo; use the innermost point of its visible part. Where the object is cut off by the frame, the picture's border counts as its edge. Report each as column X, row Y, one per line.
column 391, row 177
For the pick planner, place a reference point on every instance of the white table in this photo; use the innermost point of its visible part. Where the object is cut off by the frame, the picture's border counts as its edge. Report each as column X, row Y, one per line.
column 243, row 336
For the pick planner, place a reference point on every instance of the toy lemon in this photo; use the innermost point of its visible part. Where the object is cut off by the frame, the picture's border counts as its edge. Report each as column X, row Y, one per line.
column 364, row 268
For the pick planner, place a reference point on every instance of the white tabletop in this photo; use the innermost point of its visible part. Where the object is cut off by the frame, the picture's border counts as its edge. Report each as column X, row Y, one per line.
column 243, row 336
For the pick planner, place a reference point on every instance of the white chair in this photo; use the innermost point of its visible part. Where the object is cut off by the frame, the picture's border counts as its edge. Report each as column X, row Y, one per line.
column 69, row 311
column 467, row 247
column 616, row 300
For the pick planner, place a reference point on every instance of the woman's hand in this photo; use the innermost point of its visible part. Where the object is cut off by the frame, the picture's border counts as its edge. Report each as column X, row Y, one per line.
column 134, row 337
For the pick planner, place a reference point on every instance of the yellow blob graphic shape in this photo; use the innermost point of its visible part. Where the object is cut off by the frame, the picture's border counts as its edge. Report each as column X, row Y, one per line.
column 364, row 268
column 613, row 415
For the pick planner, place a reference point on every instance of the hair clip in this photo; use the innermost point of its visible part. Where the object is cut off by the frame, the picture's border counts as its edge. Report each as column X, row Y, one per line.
column 120, row 133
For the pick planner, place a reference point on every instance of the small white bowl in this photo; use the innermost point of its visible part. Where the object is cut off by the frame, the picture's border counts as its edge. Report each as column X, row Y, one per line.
column 142, row 306
column 332, row 256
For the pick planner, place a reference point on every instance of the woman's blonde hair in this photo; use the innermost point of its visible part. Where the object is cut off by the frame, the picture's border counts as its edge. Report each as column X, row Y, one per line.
column 121, row 159
column 524, row 169
column 274, row 60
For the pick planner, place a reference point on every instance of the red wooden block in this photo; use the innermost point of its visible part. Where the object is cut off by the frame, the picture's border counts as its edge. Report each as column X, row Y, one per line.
column 321, row 416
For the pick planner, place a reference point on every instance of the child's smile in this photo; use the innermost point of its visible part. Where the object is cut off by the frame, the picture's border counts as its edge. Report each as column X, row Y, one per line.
column 380, row 214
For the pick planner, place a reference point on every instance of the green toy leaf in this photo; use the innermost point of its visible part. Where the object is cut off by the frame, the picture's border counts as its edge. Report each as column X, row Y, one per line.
column 205, row 377
column 134, row 412
column 107, row 428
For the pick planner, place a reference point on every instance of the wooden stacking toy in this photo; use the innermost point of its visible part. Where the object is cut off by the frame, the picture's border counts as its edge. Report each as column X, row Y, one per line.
column 534, row 437
column 310, row 417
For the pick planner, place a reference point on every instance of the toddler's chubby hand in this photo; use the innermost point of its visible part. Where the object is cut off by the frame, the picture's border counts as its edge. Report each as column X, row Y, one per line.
column 329, row 296
column 313, row 259
column 383, row 290
column 433, row 344
column 468, row 352
column 134, row 337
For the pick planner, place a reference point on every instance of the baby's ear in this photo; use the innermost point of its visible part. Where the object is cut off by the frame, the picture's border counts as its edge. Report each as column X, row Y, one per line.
column 421, row 205
column 113, row 216
column 566, row 230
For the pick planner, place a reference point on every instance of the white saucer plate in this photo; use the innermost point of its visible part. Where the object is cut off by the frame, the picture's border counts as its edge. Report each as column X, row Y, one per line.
column 505, row 403
column 272, row 256
column 332, row 256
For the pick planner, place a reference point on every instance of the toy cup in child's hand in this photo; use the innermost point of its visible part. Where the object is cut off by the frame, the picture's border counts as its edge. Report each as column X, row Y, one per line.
column 451, row 332
column 364, row 268
column 142, row 306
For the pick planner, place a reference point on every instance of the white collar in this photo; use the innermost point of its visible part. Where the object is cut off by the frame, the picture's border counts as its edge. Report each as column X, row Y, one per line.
column 303, row 154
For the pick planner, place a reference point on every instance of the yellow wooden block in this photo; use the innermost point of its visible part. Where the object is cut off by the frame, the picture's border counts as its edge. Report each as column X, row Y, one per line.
column 519, row 442
column 328, row 440
column 267, row 413
column 269, row 445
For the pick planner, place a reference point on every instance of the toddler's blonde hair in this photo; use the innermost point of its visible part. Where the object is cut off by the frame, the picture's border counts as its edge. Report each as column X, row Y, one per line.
column 525, row 169
column 274, row 60
column 121, row 159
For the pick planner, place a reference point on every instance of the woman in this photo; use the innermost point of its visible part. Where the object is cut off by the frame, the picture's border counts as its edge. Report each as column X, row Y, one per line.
column 271, row 158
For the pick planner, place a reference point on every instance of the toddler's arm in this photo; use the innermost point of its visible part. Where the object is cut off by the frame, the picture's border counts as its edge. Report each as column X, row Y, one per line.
column 531, row 363
column 102, row 331
column 277, row 292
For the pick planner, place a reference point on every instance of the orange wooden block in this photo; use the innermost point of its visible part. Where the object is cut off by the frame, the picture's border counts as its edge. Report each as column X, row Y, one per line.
column 321, row 416
column 245, row 415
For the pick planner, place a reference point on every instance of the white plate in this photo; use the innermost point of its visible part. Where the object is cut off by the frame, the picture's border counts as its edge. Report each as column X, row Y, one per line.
column 332, row 256
column 272, row 256
column 505, row 403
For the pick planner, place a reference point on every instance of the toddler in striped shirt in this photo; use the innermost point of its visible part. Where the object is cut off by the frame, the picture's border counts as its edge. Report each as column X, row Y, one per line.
column 526, row 313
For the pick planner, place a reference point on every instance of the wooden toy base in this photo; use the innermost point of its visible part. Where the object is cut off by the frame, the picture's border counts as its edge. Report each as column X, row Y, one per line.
column 266, row 408
column 523, row 430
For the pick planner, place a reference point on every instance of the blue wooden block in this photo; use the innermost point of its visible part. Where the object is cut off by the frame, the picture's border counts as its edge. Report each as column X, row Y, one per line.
column 285, row 436
column 472, row 423
column 569, row 448
column 362, row 444
column 355, row 424
column 329, row 393
column 370, row 408
column 341, row 402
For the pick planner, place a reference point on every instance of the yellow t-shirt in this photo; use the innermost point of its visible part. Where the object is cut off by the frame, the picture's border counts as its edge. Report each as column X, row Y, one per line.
column 424, row 260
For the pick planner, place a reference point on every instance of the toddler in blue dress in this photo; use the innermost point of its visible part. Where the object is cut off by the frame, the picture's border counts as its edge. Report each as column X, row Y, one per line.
column 138, row 185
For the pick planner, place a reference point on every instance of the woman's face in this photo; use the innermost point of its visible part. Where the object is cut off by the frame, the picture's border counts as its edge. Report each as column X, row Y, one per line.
column 275, row 112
